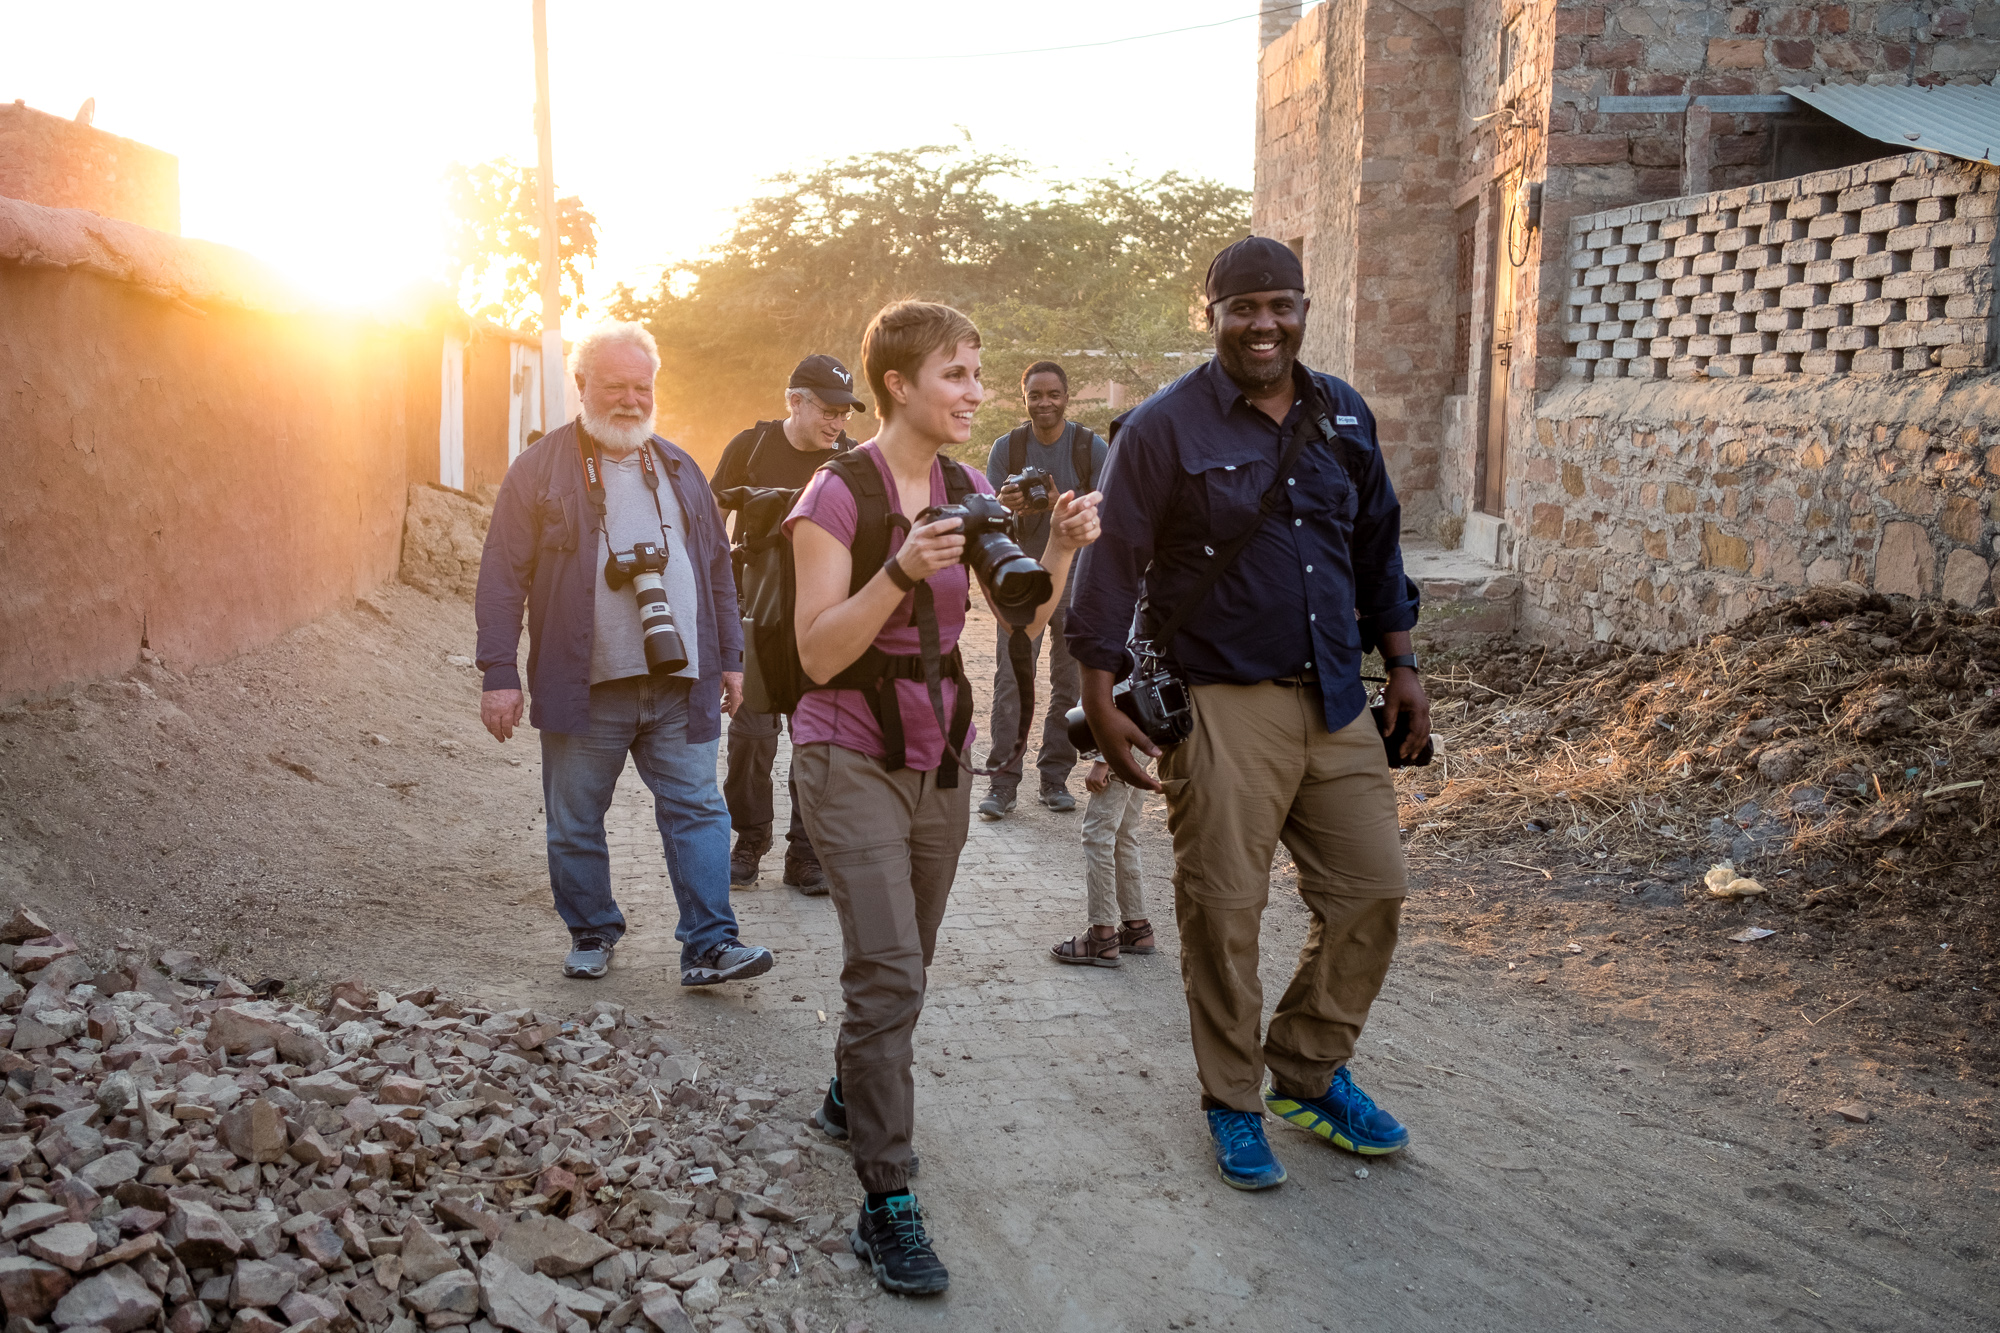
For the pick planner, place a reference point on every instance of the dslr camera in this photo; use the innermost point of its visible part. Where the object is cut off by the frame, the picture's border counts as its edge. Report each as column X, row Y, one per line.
column 1017, row 582
column 1038, row 490
column 642, row 567
column 1152, row 696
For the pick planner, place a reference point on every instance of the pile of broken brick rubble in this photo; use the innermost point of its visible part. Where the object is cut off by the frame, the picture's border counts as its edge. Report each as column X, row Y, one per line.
column 181, row 1152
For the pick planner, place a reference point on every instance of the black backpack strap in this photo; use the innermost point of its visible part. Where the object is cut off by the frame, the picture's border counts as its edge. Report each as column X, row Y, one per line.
column 757, row 448
column 873, row 514
column 1082, row 453
column 958, row 481
column 1017, row 448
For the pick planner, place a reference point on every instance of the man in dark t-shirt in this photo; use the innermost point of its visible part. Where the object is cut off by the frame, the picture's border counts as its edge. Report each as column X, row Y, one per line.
column 782, row 454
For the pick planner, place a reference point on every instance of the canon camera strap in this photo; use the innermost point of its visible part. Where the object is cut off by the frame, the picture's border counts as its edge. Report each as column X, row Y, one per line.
column 593, row 479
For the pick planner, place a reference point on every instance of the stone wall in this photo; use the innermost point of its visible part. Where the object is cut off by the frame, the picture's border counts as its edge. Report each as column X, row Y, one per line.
column 1358, row 116
column 58, row 163
column 1882, row 267
column 1403, row 315
column 1290, row 89
column 1654, row 511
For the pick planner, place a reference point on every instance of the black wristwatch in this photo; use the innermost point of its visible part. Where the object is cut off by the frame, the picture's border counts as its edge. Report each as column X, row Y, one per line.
column 1400, row 660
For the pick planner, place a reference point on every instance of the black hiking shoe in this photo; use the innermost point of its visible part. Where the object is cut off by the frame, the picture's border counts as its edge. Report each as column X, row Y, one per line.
column 832, row 1120
column 751, row 844
column 805, row 875
column 891, row 1239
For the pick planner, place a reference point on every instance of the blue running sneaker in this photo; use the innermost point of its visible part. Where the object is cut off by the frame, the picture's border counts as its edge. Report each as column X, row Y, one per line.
column 1344, row 1115
column 1241, row 1153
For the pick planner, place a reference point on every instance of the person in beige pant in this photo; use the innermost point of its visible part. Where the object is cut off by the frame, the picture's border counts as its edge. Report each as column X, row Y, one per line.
column 1115, row 877
column 1259, row 768
column 1250, row 503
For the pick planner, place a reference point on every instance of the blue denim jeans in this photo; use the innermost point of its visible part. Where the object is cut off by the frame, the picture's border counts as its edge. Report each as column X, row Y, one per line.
column 646, row 717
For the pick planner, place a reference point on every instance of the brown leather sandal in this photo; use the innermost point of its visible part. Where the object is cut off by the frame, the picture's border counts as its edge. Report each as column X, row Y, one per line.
column 1086, row 949
column 1137, row 939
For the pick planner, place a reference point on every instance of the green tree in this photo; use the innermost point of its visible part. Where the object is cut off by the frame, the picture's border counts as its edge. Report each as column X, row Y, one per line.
column 1103, row 272
column 493, row 250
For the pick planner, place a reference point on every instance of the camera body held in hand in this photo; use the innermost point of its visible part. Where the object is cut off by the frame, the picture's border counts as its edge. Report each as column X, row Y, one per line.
column 1151, row 696
column 643, row 567
column 1037, row 488
column 1017, row 582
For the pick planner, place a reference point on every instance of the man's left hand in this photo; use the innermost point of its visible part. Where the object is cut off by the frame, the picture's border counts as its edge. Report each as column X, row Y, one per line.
column 732, row 692
column 1404, row 694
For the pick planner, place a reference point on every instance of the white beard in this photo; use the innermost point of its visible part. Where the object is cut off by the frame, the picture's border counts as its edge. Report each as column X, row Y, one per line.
column 622, row 434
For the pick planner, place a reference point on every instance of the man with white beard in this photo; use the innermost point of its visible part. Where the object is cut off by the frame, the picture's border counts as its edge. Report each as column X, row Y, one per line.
column 581, row 510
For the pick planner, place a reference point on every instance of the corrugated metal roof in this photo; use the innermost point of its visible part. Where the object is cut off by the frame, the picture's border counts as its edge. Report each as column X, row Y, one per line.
column 1960, row 119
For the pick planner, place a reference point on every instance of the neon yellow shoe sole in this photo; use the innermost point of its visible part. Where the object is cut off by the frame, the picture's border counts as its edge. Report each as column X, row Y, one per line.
column 1309, row 1117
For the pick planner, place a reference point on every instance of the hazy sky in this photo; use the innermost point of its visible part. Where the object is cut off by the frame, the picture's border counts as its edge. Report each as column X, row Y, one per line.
column 315, row 135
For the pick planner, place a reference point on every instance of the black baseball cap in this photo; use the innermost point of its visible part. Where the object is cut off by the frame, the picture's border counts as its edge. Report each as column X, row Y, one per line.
column 829, row 381
column 1254, row 264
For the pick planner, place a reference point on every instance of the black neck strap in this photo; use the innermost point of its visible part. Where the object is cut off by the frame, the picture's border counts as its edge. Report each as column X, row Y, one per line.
column 593, row 471
column 593, row 477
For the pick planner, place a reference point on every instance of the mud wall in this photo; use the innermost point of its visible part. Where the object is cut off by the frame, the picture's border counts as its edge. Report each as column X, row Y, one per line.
column 197, row 480
column 59, row 163
column 1660, row 510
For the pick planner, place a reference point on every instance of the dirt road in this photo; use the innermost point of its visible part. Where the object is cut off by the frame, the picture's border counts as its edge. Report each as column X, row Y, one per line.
column 1606, row 1133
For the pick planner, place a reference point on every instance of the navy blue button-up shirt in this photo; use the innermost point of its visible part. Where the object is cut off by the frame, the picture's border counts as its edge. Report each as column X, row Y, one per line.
column 1187, row 469
column 541, row 552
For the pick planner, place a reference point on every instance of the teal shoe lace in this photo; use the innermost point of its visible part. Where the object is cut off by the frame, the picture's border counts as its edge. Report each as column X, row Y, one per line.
column 906, row 1221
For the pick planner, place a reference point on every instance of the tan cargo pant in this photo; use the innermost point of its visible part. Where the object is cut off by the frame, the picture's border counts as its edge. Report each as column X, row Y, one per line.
column 889, row 843
column 1260, row 767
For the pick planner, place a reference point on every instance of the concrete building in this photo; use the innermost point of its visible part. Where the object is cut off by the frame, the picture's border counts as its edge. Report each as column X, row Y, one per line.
column 1441, row 164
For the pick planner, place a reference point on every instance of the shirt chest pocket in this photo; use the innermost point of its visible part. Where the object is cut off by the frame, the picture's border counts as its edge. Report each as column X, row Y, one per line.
column 1323, row 490
column 1233, row 487
column 557, row 517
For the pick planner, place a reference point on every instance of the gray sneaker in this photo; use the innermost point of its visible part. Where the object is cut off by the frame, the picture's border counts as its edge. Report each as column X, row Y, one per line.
column 1059, row 799
column 727, row 962
column 589, row 957
column 996, row 806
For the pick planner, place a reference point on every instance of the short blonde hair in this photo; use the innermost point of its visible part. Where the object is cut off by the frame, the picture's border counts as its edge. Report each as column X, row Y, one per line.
column 609, row 335
column 902, row 336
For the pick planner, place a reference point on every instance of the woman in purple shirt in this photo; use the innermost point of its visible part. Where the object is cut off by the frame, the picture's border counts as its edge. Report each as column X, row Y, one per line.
column 889, row 838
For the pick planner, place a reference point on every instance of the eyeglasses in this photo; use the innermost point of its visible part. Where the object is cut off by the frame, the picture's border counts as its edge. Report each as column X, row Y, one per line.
column 832, row 413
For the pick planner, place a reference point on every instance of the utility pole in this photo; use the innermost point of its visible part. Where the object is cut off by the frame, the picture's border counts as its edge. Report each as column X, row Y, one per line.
column 555, row 411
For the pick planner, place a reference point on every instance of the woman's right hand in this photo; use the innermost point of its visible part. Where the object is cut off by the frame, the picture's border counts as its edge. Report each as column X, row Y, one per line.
column 931, row 547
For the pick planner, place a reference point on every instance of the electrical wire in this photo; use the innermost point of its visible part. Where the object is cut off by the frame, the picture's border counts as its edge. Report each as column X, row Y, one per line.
column 1075, row 46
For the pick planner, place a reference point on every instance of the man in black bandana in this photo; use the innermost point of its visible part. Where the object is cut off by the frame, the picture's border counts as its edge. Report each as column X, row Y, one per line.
column 1283, row 745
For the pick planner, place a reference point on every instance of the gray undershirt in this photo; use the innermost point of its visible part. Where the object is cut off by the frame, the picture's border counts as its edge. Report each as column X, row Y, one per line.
column 617, row 648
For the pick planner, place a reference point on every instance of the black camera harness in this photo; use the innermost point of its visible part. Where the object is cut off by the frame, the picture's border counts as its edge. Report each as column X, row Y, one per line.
column 1158, row 649
column 875, row 672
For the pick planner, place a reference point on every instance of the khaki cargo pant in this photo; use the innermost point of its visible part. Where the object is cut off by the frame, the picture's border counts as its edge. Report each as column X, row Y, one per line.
column 1260, row 767
column 889, row 843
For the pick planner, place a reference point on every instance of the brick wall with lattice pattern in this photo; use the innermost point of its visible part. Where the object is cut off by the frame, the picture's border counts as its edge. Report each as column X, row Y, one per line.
column 1878, row 268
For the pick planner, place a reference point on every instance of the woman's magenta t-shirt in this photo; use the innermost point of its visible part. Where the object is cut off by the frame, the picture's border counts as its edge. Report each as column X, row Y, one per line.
column 842, row 717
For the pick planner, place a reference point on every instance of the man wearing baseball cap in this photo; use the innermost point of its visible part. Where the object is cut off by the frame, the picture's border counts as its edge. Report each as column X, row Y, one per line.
column 785, row 454
column 1250, row 498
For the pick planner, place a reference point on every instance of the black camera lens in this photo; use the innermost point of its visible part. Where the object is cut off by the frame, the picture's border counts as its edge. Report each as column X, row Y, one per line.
column 1019, row 585
column 1016, row 581
column 1081, row 738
